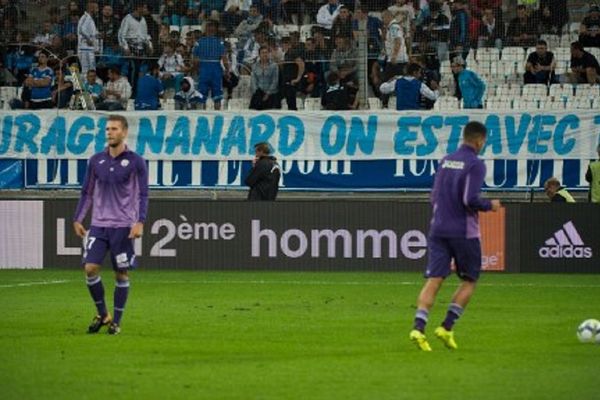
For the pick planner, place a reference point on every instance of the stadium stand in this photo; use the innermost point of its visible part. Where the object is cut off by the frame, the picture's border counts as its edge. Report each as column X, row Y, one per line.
column 302, row 47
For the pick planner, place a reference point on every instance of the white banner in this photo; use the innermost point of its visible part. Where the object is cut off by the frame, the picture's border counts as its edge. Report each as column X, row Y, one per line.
column 176, row 135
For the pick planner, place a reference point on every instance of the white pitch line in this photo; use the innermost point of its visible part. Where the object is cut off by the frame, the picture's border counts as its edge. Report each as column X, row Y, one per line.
column 367, row 283
column 37, row 283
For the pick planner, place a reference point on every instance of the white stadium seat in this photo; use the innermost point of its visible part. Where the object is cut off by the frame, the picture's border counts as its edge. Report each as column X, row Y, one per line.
column 587, row 91
column 535, row 91
column 564, row 90
column 446, row 103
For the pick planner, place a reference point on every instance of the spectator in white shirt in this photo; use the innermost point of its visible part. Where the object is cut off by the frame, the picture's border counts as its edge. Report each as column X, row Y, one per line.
column 87, row 38
column 327, row 13
column 171, row 67
column 116, row 92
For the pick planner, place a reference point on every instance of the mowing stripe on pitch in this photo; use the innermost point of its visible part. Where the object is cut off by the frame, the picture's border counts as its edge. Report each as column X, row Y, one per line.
column 36, row 283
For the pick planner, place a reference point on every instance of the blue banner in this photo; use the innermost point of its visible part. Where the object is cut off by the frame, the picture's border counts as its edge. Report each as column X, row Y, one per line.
column 385, row 175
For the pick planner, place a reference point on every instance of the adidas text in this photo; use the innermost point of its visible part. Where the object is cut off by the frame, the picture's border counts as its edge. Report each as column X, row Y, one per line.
column 565, row 252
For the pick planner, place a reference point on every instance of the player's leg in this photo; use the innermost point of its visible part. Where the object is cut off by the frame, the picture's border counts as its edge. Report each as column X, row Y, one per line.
column 123, row 258
column 94, row 250
column 468, row 267
column 438, row 268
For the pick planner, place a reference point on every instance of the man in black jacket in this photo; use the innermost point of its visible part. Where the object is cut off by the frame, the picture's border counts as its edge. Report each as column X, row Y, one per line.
column 264, row 176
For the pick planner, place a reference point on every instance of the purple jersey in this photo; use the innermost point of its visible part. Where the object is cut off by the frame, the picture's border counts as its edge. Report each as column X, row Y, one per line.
column 456, row 195
column 117, row 188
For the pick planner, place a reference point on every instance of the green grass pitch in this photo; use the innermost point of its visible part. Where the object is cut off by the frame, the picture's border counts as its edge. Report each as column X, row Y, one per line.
column 267, row 335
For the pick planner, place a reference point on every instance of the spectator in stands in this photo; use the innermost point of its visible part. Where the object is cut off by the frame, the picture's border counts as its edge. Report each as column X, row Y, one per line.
column 93, row 86
column 108, row 28
column 20, row 58
column 237, row 11
column 344, row 61
column 491, row 32
column 436, row 27
column 471, row 86
column 342, row 24
column 521, row 30
column 188, row 98
column 337, row 96
column 251, row 49
column 292, row 71
column 135, row 40
column 171, row 67
column 209, row 53
column 173, row 12
column 44, row 38
column 8, row 11
column 409, row 89
column 313, row 69
column 459, row 29
column 289, row 12
column 327, row 14
column 556, row 193
column 372, row 25
column 263, row 82
column 212, row 8
column 57, row 49
column 150, row 90
column 321, row 45
column 231, row 71
column 266, row 8
column 116, row 91
column 153, row 30
column 592, row 175
column 245, row 29
column 396, row 55
column 589, row 30
column 68, row 31
column 553, row 15
column 87, row 38
column 431, row 75
column 39, row 84
column 584, row 66
column 540, row 65
column 62, row 90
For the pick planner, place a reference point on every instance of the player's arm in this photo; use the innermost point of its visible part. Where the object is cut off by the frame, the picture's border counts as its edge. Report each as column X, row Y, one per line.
column 142, row 176
column 472, row 192
column 85, row 201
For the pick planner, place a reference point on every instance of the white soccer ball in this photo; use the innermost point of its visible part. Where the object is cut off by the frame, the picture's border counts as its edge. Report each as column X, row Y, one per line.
column 589, row 331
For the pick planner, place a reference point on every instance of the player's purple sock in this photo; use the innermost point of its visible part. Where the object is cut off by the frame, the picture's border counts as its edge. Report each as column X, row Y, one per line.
column 454, row 313
column 96, row 288
column 121, row 292
column 421, row 318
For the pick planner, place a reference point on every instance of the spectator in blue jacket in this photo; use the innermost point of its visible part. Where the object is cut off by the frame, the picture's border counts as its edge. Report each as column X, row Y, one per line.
column 459, row 29
column 470, row 84
column 150, row 89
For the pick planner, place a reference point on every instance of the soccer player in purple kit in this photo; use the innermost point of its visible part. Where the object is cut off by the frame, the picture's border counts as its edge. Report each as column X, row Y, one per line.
column 454, row 234
column 116, row 187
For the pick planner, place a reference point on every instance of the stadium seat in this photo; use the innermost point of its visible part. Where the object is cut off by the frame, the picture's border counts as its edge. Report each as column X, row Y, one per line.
column 481, row 67
column 595, row 51
column 567, row 39
column 374, row 103
column 508, row 90
column 564, row 91
column 174, row 28
column 446, row 103
column 535, row 91
column 487, row 54
column 312, row 104
column 305, row 32
column 562, row 67
column 502, row 68
column 562, row 53
column 527, row 104
column 516, row 54
column 574, row 27
column 300, row 103
column 285, row 30
column 587, row 91
column 579, row 103
column 445, row 68
column 168, row 104
column 552, row 40
column 238, row 104
column 498, row 103
column 557, row 104
column 7, row 93
column 130, row 105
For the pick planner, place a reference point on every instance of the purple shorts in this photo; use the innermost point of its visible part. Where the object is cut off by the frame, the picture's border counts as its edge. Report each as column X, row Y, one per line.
column 465, row 252
column 100, row 240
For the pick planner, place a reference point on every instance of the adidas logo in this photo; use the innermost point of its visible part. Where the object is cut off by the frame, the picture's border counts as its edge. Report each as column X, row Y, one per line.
column 565, row 243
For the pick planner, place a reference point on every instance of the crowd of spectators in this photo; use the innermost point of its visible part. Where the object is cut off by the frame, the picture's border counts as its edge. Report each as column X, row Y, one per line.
column 194, row 50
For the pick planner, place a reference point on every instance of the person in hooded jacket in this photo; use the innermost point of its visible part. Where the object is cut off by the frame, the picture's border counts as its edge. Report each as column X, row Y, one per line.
column 188, row 98
column 263, row 178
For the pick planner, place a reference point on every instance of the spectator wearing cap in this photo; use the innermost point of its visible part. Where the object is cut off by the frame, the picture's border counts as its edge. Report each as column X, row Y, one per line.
column 589, row 30
column 592, row 175
column 471, row 85
column 409, row 89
